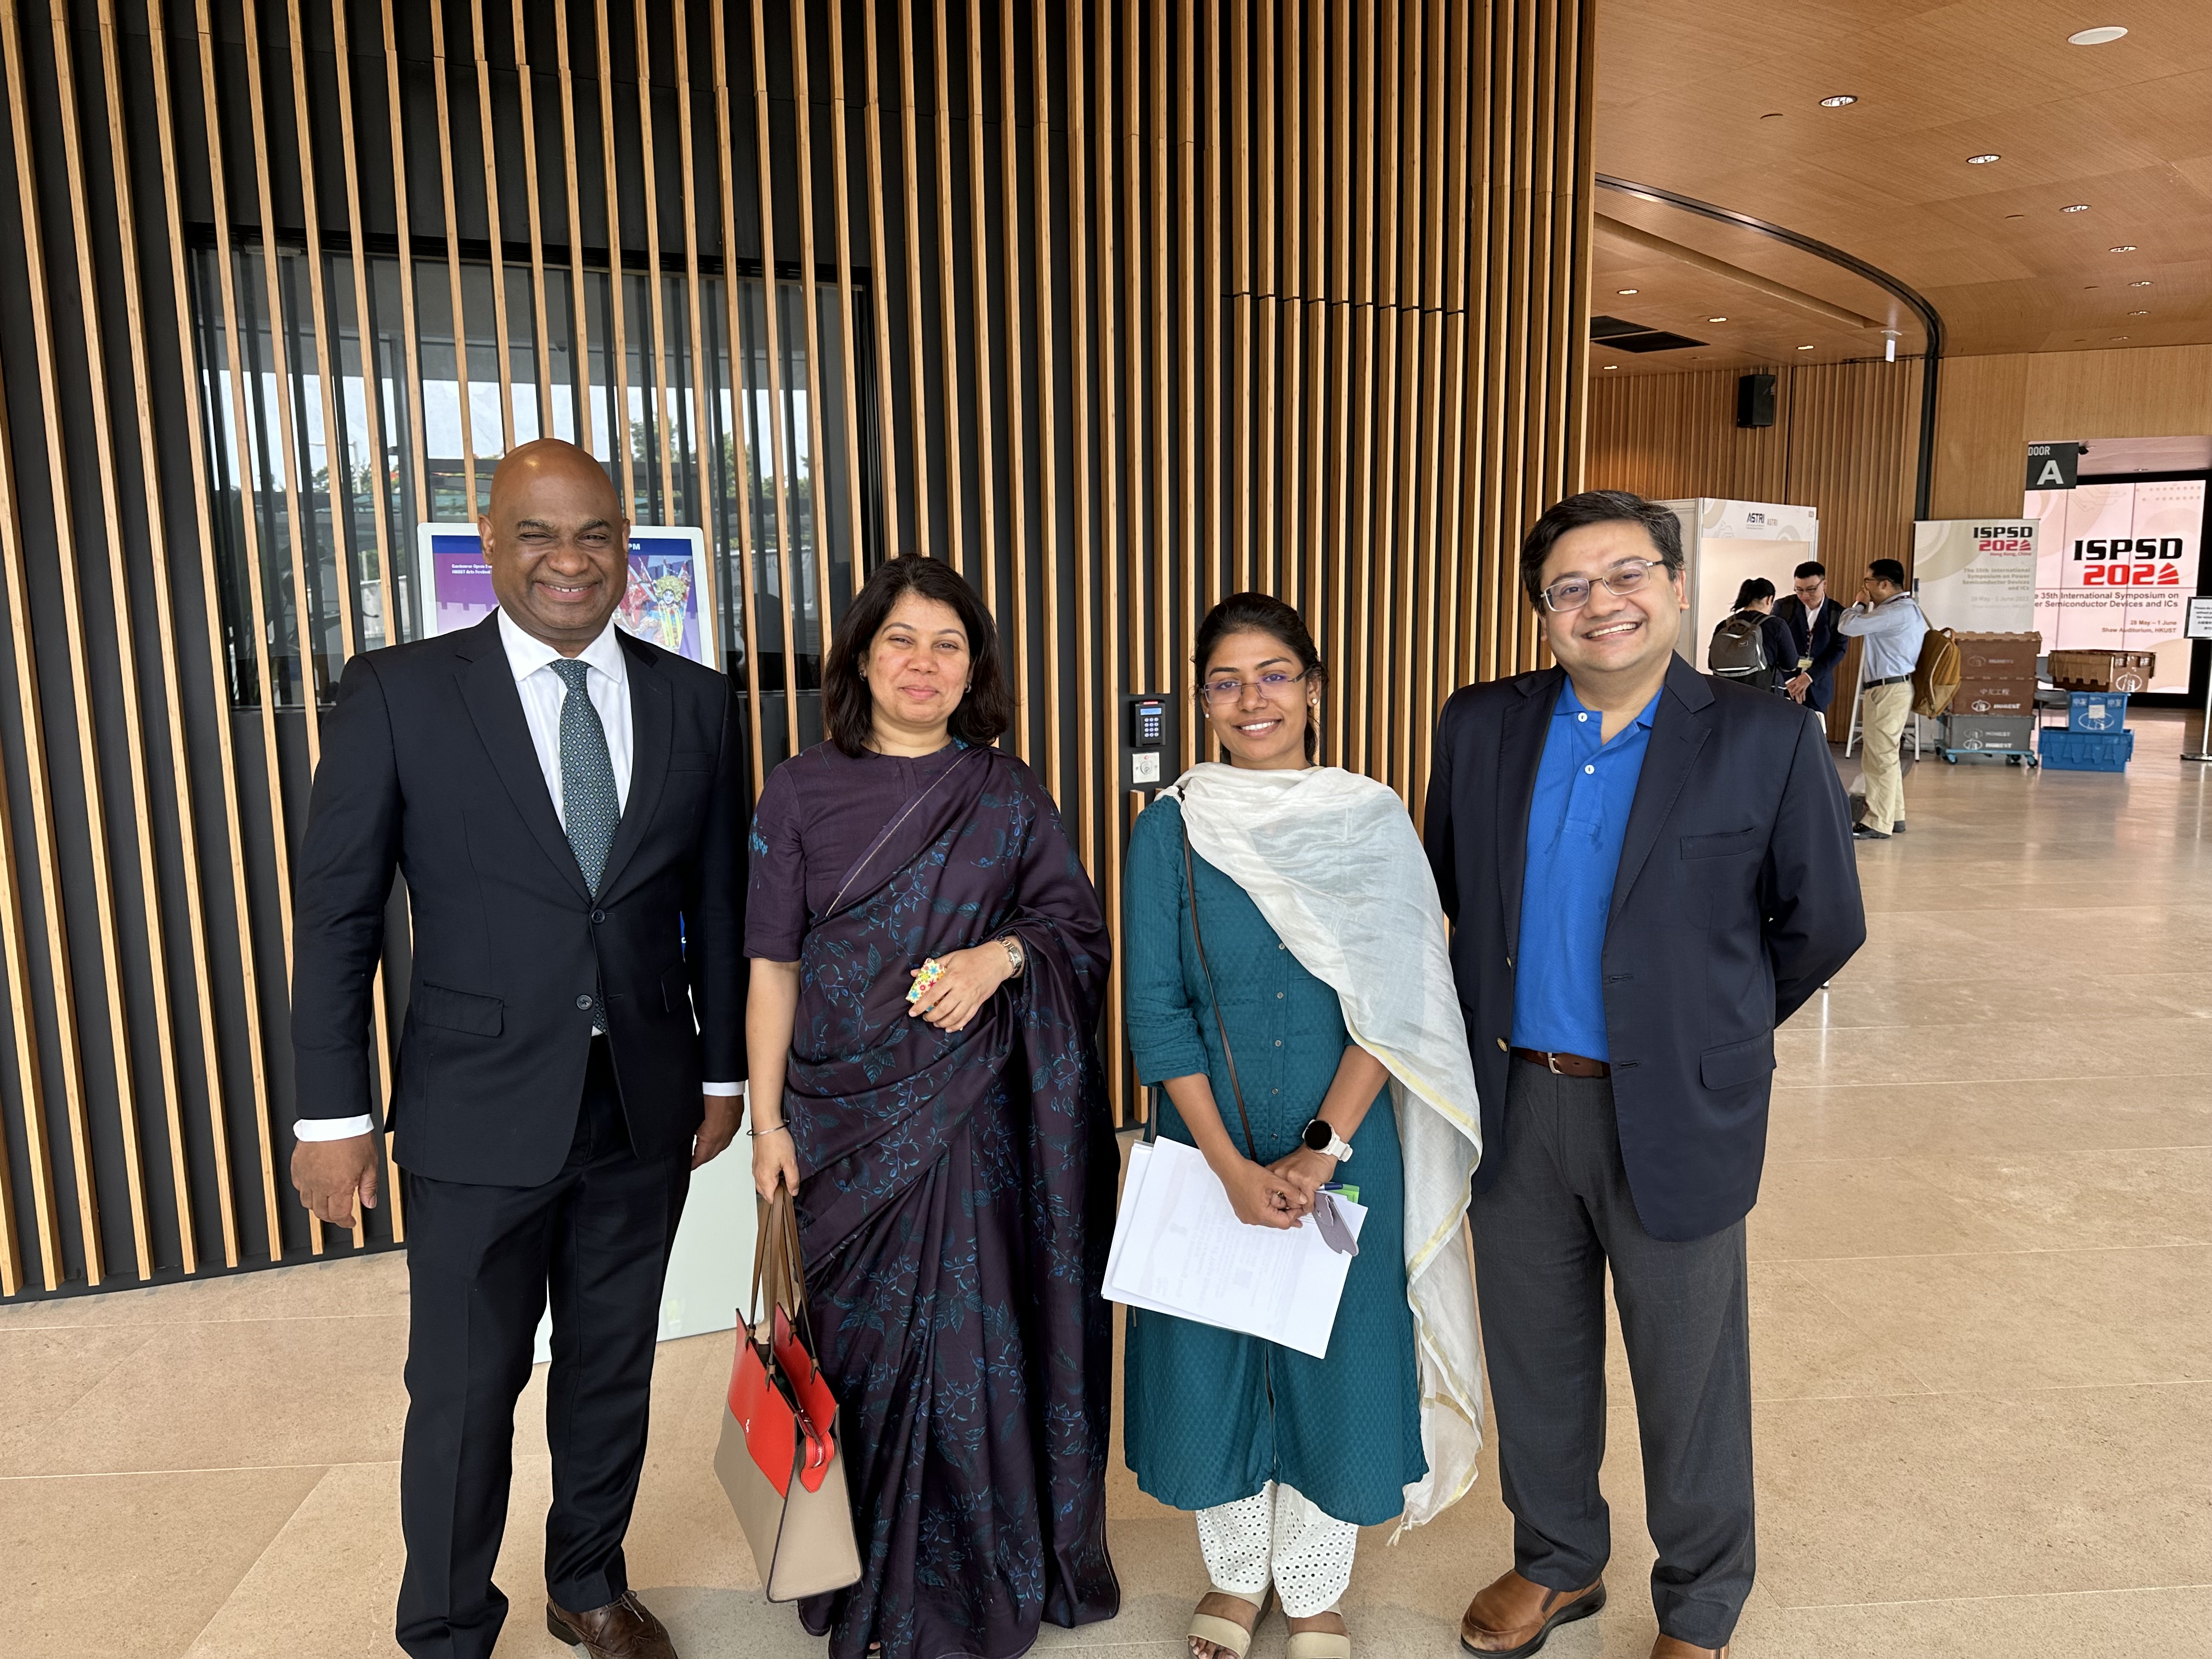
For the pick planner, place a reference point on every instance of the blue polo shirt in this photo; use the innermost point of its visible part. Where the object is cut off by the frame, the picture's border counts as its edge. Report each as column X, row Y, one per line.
column 1576, row 821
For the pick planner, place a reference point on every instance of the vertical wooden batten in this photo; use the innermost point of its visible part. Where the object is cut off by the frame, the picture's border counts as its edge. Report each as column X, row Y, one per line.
column 495, row 226
column 661, row 426
column 817, row 454
column 741, row 454
column 225, row 758
column 849, row 346
column 373, row 420
column 985, row 448
column 459, row 315
column 29, row 1077
column 617, row 347
column 1010, row 210
column 72, row 642
column 540, row 332
column 163, row 1083
column 879, row 281
column 779, row 442
column 703, row 374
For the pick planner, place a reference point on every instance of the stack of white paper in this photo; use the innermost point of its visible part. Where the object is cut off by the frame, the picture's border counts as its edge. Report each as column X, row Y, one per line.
column 1179, row 1249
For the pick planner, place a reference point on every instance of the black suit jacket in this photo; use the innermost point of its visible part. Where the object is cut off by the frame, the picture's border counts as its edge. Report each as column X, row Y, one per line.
column 1737, row 895
column 1818, row 637
column 428, row 770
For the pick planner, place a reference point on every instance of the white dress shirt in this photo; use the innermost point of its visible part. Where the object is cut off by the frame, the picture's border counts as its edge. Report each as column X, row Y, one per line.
column 543, row 691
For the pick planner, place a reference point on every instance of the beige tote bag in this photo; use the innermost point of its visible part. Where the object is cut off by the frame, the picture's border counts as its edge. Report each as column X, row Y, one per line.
column 779, row 1458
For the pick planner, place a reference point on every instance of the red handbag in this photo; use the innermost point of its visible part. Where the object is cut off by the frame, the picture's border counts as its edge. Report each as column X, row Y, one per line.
column 778, row 1458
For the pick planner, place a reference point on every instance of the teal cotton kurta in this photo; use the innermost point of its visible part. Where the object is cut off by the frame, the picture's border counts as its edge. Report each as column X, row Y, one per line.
column 1211, row 1415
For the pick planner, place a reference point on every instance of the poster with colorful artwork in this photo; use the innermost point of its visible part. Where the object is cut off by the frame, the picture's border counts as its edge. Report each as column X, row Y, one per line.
column 2116, row 568
column 665, row 605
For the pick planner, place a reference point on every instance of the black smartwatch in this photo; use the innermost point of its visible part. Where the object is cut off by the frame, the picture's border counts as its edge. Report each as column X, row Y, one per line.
column 1319, row 1136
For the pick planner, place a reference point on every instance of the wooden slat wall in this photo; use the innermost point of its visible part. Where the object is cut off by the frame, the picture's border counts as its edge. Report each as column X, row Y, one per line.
column 1845, row 441
column 1119, row 308
column 1989, row 410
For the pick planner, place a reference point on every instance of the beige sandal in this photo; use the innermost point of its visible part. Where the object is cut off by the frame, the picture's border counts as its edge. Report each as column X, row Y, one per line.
column 1227, row 1632
column 1319, row 1644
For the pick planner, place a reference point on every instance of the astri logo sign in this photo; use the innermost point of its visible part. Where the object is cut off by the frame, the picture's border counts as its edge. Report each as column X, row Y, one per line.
column 2127, row 562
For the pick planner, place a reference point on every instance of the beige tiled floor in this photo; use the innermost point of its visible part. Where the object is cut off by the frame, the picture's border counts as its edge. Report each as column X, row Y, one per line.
column 1982, row 1316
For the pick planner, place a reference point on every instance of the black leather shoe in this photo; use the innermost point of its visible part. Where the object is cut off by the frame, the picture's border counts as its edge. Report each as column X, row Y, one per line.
column 1868, row 832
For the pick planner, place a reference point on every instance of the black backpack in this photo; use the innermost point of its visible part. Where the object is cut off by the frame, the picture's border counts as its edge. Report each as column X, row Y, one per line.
column 1739, row 648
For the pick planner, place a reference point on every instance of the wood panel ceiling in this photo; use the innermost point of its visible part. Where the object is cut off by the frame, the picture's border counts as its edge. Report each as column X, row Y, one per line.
column 1719, row 100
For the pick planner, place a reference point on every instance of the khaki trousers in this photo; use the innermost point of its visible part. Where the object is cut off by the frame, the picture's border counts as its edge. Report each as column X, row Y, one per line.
column 1887, row 709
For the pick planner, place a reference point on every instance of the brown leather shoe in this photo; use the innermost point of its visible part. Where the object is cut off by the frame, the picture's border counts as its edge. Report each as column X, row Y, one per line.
column 1668, row 1647
column 620, row 1630
column 1514, row 1616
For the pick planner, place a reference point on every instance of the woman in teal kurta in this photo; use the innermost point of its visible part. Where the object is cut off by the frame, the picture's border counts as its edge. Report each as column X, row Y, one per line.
column 1283, row 1456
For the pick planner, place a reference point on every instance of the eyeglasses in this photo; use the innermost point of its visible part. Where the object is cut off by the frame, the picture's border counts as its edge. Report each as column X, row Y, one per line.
column 1228, row 690
column 1572, row 593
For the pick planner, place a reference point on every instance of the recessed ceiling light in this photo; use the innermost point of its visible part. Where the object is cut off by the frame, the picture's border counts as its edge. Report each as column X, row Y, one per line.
column 2117, row 338
column 1623, row 290
column 1717, row 319
column 1839, row 101
column 2144, row 283
column 2098, row 37
column 2125, row 247
column 2138, row 313
column 1612, row 365
column 1982, row 161
column 2076, row 207
column 1804, row 348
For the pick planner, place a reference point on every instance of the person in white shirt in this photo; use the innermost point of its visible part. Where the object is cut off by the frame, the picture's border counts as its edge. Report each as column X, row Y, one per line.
column 1887, row 622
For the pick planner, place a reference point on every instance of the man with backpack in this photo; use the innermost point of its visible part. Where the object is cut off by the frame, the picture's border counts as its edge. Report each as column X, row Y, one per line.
column 1887, row 621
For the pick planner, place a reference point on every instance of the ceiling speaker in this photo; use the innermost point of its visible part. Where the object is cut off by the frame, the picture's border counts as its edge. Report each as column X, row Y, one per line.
column 1755, row 400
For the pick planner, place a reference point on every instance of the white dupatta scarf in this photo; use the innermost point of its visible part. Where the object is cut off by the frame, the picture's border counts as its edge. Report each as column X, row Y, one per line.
column 1333, row 863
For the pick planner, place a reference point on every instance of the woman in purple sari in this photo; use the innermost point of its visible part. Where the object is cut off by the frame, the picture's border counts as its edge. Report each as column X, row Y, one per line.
column 950, row 1148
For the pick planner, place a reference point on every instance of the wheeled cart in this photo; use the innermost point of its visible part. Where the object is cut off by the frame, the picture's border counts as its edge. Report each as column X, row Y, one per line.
column 2009, row 737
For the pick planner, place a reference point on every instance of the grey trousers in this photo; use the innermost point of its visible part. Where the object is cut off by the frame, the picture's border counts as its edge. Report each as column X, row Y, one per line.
column 1557, row 1217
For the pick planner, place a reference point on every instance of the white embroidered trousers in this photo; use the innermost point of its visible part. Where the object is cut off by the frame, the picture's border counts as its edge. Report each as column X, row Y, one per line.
column 1276, row 1535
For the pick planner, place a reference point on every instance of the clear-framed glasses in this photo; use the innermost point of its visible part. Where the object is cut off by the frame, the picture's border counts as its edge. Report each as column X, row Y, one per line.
column 1572, row 593
column 1225, row 690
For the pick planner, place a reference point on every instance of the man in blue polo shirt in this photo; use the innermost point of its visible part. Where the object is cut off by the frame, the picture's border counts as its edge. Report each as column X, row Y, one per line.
column 1647, row 870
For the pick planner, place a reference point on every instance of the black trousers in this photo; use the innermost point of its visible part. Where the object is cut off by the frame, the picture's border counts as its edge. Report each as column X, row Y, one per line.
column 482, row 1262
column 1558, row 1216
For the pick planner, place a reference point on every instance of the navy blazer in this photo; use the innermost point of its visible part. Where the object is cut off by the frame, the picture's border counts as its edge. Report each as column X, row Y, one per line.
column 1737, row 895
column 1817, row 637
column 429, row 771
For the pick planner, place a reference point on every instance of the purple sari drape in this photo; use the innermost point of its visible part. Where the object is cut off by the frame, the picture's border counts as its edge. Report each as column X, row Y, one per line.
column 954, row 1213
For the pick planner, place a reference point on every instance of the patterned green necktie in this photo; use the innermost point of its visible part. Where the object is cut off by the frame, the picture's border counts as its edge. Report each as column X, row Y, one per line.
column 590, row 808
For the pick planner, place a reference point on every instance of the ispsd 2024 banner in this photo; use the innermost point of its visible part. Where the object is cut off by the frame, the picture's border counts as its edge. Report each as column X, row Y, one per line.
column 2117, row 566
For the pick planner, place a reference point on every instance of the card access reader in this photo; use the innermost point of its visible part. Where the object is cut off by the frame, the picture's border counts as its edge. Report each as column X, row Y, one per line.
column 1148, row 745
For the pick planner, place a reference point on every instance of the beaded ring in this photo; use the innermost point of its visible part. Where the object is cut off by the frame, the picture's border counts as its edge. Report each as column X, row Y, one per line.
column 932, row 971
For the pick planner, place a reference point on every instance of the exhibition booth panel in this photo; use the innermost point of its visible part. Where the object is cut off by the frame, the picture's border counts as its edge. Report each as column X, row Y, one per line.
column 1724, row 543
